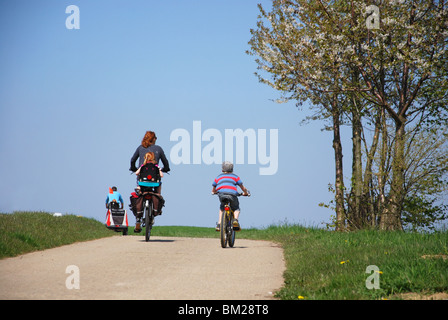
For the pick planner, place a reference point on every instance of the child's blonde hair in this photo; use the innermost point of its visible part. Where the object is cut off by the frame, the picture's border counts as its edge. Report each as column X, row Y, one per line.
column 149, row 157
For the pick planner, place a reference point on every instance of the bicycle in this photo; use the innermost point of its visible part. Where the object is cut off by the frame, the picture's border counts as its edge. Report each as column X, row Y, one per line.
column 227, row 230
column 148, row 207
column 148, row 214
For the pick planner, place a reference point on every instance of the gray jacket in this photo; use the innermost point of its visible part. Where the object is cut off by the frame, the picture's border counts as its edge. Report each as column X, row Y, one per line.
column 158, row 154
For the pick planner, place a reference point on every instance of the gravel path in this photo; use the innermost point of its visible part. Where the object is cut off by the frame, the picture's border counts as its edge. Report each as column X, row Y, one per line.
column 127, row 267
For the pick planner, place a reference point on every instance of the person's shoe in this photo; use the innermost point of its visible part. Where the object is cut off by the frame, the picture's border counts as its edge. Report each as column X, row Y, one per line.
column 218, row 227
column 137, row 228
column 236, row 225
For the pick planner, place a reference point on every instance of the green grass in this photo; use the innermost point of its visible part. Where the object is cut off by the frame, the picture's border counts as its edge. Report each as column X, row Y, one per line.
column 332, row 265
column 194, row 232
column 23, row 232
column 320, row 264
column 179, row 231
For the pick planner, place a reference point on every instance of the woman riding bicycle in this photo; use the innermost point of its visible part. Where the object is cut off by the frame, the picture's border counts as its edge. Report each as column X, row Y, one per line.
column 225, row 185
column 148, row 146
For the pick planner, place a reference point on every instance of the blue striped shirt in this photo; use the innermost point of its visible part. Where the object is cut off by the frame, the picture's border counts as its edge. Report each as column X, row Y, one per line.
column 227, row 183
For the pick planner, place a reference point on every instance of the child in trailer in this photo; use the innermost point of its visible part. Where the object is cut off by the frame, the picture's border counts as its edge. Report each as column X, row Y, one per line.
column 114, row 199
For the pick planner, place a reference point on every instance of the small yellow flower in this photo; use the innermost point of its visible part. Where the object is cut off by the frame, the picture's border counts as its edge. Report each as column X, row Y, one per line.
column 380, row 272
column 301, row 297
column 342, row 262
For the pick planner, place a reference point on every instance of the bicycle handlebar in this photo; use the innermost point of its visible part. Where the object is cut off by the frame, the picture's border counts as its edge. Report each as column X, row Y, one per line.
column 238, row 195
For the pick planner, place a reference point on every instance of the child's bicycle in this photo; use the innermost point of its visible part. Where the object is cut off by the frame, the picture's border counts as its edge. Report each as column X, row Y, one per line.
column 226, row 224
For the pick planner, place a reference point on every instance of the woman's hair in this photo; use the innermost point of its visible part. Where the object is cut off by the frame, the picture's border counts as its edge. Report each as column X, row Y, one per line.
column 149, row 139
column 149, row 157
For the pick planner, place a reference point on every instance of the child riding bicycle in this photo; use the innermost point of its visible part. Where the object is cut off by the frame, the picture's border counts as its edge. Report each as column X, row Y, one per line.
column 225, row 185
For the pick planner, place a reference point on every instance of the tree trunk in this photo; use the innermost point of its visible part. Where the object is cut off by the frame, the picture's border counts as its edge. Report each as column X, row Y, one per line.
column 383, row 173
column 368, row 192
column 391, row 216
column 339, row 184
column 356, row 216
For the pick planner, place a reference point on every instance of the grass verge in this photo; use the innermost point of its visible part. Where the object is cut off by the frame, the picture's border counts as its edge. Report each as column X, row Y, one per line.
column 23, row 232
column 332, row 265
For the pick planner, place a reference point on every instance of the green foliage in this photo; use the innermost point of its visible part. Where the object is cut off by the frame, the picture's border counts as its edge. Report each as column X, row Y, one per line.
column 420, row 214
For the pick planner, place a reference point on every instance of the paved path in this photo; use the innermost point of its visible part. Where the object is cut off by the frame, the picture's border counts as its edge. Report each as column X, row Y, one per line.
column 130, row 268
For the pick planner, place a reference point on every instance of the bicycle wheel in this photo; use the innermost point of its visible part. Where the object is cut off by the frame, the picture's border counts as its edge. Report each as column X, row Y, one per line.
column 148, row 221
column 224, row 229
column 231, row 233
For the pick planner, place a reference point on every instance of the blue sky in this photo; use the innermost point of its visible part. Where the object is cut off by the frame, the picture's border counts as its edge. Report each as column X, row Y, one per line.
column 75, row 104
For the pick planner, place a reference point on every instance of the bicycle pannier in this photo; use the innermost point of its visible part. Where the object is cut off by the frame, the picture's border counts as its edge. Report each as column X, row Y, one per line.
column 136, row 205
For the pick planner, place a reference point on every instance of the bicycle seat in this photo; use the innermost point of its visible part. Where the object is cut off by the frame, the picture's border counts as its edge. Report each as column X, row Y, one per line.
column 226, row 195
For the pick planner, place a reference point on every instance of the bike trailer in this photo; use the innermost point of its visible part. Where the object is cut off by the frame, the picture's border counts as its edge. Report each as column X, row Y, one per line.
column 117, row 220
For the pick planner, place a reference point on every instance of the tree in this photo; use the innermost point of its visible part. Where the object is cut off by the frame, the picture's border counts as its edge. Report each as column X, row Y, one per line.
column 426, row 178
column 287, row 51
column 402, row 65
column 325, row 52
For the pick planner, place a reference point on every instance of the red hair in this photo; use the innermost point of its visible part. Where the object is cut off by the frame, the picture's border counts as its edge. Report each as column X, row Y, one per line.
column 149, row 157
column 149, row 139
